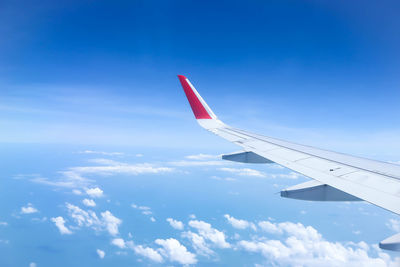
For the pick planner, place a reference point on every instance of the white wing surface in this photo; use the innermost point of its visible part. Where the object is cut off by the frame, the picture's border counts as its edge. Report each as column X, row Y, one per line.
column 338, row 177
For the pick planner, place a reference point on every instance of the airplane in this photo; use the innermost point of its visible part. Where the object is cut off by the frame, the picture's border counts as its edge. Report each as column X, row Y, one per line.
column 336, row 176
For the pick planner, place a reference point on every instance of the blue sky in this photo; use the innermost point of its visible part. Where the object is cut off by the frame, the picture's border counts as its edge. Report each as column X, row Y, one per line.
column 77, row 69
column 82, row 79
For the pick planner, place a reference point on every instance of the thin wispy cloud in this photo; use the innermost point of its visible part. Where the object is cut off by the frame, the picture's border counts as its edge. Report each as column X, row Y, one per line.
column 94, row 192
column 228, row 179
column 77, row 192
column 291, row 175
column 68, row 179
column 76, row 177
column 244, row 172
column 190, row 163
column 103, row 161
column 203, row 157
column 91, row 152
column 122, row 168
column 256, row 173
column 393, row 225
column 144, row 210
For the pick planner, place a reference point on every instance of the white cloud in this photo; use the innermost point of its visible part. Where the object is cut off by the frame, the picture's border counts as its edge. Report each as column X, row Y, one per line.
column 89, row 218
column 203, row 156
column 294, row 229
column 174, row 251
column 175, row 224
column 28, row 209
column 152, row 219
column 119, row 242
column 198, row 243
column 269, row 227
column 304, row 246
column 60, row 224
column 240, row 224
column 94, row 192
column 209, row 233
column 84, row 218
column 3, row 223
column 244, row 172
column 89, row 202
column 111, row 222
column 32, row 264
column 101, row 253
column 394, row 225
column 148, row 253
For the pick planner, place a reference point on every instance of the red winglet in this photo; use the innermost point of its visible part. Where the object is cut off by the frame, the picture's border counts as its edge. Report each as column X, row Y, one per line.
column 197, row 107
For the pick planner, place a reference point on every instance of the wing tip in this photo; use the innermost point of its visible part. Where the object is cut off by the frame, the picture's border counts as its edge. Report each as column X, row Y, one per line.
column 199, row 109
column 181, row 77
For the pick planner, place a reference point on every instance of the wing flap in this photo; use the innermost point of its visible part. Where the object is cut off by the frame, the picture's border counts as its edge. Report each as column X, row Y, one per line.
column 316, row 191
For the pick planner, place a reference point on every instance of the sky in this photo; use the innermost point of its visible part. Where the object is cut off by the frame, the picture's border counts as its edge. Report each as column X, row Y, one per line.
column 90, row 103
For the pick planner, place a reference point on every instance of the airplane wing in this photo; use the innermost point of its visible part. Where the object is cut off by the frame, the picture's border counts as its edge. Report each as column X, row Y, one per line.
column 337, row 176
